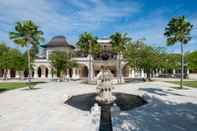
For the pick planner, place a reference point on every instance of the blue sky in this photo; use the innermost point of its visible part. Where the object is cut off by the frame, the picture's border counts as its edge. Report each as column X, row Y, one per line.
column 139, row 18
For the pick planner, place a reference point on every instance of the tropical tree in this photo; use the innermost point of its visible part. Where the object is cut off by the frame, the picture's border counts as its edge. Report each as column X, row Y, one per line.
column 150, row 59
column 171, row 61
column 27, row 34
column 17, row 61
column 61, row 61
column 119, row 41
column 192, row 60
column 4, row 59
column 178, row 31
column 88, row 45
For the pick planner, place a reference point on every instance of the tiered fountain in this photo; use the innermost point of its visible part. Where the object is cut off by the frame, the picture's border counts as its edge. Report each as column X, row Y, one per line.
column 105, row 98
column 102, row 104
column 104, row 87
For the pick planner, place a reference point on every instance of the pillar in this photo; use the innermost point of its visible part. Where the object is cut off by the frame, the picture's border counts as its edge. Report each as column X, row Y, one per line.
column 77, row 73
column 49, row 73
column 131, row 73
column 142, row 73
column 67, row 74
column 42, row 72
column 90, row 68
column 173, row 71
column 36, row 73
column 8, row 74
column 156, row 73
column 17, row 75
column 74, row 73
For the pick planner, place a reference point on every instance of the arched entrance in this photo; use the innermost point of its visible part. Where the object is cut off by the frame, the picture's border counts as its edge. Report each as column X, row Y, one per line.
column 42, row 71
column 39, row 72
column 1, row 72
column 46, row 72
column 83, row 71
column 125, row 70
column 12, row 73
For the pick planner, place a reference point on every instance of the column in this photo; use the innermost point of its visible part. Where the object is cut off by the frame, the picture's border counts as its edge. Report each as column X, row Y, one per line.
column 35, row 73
column 73, row 73
column 42, row 72
column 156, row 73
column 90, row 68
column 142, row 73
column 17, row 75
column 49, row 73
column 173, row 71
column 8, row 74
column 77, row 73
column 131, row 73
column 22, row 74
column 67, row 74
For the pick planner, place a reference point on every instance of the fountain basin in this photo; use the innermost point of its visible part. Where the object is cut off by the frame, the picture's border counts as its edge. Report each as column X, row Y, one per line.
column 123, row 100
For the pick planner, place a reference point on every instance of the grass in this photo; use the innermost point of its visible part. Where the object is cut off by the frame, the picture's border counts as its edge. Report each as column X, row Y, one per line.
column 5, row 86
column 185, row 83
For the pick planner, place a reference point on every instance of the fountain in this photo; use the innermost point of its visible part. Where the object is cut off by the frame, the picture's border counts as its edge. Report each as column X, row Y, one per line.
column 104, row 87
column 105, row 105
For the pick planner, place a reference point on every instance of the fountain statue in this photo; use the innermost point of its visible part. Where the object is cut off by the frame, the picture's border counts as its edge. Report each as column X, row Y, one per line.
column 104, row 87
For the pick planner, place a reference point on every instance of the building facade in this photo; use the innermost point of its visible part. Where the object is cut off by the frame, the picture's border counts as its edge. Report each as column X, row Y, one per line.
column 89, row 66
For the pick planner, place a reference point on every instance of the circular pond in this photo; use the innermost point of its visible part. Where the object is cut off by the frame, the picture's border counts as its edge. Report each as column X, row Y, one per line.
column 124, row 101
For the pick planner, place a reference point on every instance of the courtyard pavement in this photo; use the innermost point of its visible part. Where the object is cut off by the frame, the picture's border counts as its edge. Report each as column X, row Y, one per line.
column 43, row 108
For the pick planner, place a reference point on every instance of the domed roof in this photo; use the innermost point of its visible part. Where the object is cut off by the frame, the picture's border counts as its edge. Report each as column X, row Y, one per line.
column 58, row 41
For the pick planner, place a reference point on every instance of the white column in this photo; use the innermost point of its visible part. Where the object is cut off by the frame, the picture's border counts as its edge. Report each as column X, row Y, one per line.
column 36, row 73
column 77, row 73
column 49, row 73
column 142, row 73
column 17, row 75
column 131, row 73
column 67, row 74
column 8, row 74
column 73, row 73
column 22, row 74
column 42, row 72
column 173, row 71
column 156, row 73
column 188, row 71
column 90, row 68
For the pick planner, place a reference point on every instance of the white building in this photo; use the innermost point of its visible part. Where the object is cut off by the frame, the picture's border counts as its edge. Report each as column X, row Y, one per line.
column 43, row 69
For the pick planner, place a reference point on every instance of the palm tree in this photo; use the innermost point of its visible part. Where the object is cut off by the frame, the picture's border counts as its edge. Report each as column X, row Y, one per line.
column 88, row 45
column 27, row 34
column 178, row 31
column 119, row 41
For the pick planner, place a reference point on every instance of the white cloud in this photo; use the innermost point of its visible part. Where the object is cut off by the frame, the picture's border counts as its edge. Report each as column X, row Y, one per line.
column 89, row 17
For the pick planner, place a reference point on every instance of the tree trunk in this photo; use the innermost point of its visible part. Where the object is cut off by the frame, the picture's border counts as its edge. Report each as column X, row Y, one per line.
column 89, row 72
column 182, row 66
column 29, row 69
column 148, row 75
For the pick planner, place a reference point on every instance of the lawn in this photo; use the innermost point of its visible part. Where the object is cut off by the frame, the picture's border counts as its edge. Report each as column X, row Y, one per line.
column 14, row 85
column 185, row 83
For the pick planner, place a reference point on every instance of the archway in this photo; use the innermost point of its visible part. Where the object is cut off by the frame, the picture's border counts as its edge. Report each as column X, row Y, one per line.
column 39, row 72
column 1, row 72
column 46, row 72
column 26, row 73
column 42, row 71
column 83, row 71
column 125, row 70
column 12, row 73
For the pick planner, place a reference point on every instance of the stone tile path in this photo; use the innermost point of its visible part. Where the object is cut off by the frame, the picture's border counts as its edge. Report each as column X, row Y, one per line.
column 43, row 109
